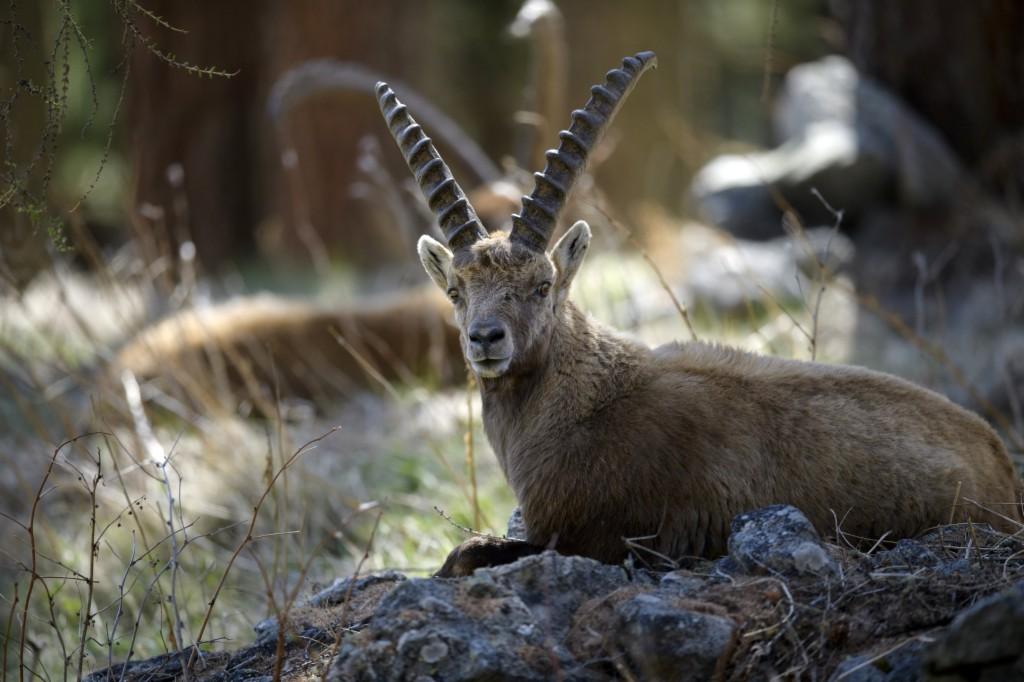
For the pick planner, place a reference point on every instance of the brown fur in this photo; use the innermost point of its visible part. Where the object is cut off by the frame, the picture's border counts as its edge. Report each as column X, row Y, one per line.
column 603, row 438
column 265, row 340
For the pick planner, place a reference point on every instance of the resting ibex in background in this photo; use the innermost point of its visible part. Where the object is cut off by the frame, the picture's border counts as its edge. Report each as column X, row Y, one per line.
column 602, row 438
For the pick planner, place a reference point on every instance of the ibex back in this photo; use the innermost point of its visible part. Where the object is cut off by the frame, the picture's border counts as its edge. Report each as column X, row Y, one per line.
column 604, row 439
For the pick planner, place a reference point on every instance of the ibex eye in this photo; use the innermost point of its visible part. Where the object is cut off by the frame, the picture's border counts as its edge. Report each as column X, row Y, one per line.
column 543, row 289
column 453, row 294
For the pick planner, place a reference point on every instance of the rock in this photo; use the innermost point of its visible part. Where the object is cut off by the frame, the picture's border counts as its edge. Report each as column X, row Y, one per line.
column 907, row 553
column 957, row 568
column 729, row 276
column 831, row 91
column 840, row 133
column 985, row 641
column 507, row 622
column 516, row 525
column 554, row 586
column 336, row 593
column 162, row 668
column 471, row 629
column 778, row 539
column 738, row 192
column 663, row 642
column 342, row 588
column 902, row 665
column 681, row 583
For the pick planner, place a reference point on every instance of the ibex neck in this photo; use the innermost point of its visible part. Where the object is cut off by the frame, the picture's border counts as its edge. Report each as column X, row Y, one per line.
column 583, row 368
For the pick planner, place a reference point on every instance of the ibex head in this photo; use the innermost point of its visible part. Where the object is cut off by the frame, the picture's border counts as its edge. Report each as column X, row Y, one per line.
column 506, row 289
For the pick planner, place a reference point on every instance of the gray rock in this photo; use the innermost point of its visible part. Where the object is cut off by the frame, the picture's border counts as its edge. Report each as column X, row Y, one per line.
column 730, row 276
column 778, row 539
column 516, row 525
column 907, row 553
column 506, row 622
column 162, row 668
column 840, row 133
column 335, row 593
column 550, row 616
column 859, row 669
column 553, row 585
column 902, row 665
column 473, row 629
column 956, row 568
column 681, row 583
column 831, row 91
column 663, row 642
column 985, row 640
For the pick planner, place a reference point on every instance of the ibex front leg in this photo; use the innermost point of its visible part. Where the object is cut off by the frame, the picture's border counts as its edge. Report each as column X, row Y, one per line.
column 482, row 551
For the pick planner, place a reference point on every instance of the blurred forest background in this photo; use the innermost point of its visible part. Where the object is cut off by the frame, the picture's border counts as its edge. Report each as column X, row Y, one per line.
column 841, row 180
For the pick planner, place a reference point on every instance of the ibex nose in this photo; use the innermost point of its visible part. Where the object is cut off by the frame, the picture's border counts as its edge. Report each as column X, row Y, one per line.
column 486, row 333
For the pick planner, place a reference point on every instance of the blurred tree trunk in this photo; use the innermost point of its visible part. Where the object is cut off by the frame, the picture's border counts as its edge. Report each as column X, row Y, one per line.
column 192, row 139
column 235, row 193
column 23, row 54
column 959, row 64
column 315, row 207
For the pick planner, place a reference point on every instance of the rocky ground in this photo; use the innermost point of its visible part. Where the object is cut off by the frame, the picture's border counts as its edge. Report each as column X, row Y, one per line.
column 947, row 606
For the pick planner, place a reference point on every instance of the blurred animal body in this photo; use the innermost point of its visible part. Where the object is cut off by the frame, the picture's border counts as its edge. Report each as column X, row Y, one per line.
column 604, row 439
column 299, row 349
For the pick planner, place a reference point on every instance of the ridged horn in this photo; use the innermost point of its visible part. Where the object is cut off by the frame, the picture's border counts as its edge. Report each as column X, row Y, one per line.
column 458, row 220
column 533, row 226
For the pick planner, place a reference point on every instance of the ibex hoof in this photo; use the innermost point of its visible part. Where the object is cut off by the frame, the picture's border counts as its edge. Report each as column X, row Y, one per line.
column 481, row 552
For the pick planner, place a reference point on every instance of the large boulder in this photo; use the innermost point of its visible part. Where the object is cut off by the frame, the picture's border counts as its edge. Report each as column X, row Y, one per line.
column 839, row 133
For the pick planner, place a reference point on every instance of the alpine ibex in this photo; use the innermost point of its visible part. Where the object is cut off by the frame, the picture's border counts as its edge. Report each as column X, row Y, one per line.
column 602, row 438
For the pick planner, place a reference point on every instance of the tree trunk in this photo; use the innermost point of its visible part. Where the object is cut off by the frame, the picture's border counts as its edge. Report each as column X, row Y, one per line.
column 958, row 64
column 192, row 139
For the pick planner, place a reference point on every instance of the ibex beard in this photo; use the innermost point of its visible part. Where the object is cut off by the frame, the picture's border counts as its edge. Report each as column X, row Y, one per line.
column 604, row 439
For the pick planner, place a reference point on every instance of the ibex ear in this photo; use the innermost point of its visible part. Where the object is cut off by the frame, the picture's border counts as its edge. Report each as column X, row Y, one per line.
column 569, row 252
column 436, row 259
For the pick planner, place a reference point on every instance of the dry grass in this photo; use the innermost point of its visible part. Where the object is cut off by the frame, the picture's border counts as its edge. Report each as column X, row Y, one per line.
column 803, row 626
column 172, row 525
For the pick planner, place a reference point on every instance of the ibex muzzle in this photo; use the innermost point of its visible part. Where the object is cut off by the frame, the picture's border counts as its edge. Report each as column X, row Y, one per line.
column 604, row 439
column 490, row 346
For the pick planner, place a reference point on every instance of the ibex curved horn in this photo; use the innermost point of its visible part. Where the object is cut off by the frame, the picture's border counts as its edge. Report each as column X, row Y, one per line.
column 456, row 217
column 533, row 226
